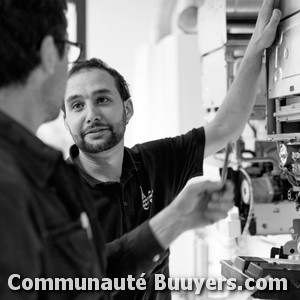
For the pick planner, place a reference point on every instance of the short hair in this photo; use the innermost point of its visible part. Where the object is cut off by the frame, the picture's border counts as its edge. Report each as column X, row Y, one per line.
column 23, row 26
column 98, row 64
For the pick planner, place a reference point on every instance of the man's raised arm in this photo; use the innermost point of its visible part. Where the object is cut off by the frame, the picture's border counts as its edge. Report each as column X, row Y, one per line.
column 239, row 101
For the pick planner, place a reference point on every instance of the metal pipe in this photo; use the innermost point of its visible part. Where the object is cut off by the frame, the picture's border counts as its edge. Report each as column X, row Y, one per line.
column 243, row 7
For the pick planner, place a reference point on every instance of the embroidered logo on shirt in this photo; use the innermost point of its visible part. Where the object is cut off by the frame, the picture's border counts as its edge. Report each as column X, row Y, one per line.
column 146, row 199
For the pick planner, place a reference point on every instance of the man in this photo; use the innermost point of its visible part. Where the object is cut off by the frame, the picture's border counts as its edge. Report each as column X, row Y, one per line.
column 132, row 185
column 48, row 225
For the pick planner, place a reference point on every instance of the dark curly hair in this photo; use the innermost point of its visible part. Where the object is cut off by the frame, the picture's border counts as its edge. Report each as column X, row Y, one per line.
column 23, row 26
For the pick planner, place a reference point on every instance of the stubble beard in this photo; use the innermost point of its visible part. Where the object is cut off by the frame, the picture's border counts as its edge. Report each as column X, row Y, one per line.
column 115, row 135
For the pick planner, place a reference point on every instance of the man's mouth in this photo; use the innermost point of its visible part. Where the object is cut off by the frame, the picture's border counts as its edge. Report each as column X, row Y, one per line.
column 96, row 130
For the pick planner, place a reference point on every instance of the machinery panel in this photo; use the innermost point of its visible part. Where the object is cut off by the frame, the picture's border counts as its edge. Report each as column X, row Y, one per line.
column 243, row 268
column 284, row 60
column 267, row 185
column 283, row 105
column 270, row 218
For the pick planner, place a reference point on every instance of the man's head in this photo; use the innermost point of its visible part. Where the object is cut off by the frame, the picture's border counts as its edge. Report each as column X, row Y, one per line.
column 23, row 26
column 97, row 106
column 33, row 34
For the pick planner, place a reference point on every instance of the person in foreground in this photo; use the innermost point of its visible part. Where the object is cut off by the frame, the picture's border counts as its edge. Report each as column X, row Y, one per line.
column 49, row 227
column 131, row 186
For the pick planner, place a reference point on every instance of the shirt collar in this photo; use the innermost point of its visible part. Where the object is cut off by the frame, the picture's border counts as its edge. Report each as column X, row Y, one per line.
column 37, row 159
column 129, row 166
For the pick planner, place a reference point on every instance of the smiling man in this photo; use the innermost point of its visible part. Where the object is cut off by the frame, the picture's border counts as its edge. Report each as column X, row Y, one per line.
column 103, row 132
column 131, row 186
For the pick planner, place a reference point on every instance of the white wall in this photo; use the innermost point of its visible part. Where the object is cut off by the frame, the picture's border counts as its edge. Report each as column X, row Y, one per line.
column 167, row 88
column 117, row 28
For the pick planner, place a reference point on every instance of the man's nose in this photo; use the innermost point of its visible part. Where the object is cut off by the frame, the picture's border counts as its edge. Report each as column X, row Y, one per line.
column 93, row 114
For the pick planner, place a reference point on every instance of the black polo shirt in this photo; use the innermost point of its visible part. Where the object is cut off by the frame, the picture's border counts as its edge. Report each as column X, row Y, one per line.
column 153, row 174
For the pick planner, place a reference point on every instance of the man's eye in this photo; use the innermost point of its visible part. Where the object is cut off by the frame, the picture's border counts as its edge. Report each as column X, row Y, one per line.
column 76, row 106
column 102, row 100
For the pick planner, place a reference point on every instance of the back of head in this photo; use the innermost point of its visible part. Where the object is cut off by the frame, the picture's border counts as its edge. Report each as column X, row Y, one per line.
column 23, row 26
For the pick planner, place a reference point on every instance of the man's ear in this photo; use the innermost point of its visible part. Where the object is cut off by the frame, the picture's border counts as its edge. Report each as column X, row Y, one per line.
column 65, row 121
column 49, row 55
column 128, row 109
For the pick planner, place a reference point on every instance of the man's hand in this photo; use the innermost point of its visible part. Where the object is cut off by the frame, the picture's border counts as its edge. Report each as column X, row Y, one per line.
column 203, row 203
column 266, row 26
column 199, row 204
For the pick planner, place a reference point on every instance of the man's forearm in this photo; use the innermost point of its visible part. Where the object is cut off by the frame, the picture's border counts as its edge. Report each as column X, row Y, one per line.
column 238, row 103
column 198, row 204
column 237, row 107
column 166, row 226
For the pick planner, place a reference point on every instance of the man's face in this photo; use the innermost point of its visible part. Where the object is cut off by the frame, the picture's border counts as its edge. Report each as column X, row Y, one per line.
column 95, row 113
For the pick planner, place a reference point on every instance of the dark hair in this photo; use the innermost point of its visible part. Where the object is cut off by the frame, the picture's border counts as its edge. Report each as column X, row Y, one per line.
column 96, row 63
column 23, row 26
